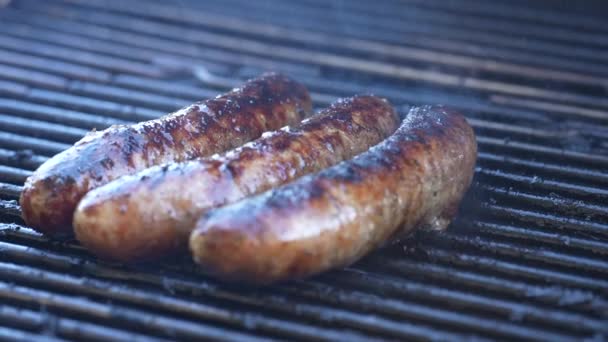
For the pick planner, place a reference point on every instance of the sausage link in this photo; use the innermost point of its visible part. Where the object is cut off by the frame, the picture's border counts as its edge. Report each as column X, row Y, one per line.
column 151, row 213
column 415, row 178
column 51, row 194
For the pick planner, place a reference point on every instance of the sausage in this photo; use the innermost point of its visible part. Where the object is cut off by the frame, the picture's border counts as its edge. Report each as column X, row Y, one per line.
column 51, row 194
column 415, row 178
column 151, row 213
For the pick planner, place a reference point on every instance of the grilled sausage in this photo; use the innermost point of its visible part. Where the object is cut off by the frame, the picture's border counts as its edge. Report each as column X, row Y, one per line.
column 151, row 213
column 51, row 194
column 415, row 178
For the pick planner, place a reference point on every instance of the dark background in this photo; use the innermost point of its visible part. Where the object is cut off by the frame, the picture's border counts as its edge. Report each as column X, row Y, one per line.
column 525, row 260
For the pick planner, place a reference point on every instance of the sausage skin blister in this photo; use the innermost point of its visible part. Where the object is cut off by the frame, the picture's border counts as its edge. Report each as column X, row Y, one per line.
column 415, row 178
column 51, row 194
column 149, row 214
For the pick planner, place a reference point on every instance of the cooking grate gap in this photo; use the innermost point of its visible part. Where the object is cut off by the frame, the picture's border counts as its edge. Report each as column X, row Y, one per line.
column 531, row 166
column 497, row 294
column 56, row 115
column 282, row 301
column 357, row 23
column 40, row 146
column 477, row 271
column 131, row 26
column 43, row 322
column 513, row 269
column 565, row 240
column 204, row 310
column 488, row 23
column 562, row 243
column 501, row 310
column 584, row 21
column 151, row 113
column 477, row 291
column 525, row 259
column 463, row 323
column 119, row 317
column 540, row 258
column 568, row 190
column 547, row 201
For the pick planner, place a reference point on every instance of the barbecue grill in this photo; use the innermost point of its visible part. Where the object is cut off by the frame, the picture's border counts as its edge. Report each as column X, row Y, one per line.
column 526, row 258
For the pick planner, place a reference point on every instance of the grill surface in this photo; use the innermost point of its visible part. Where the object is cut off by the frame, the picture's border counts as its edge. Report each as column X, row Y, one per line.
column 527, row 258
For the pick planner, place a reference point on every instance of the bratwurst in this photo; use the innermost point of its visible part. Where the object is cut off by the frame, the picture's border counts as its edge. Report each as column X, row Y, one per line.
column 51, row 194
column 415, row 178
column 151, row 213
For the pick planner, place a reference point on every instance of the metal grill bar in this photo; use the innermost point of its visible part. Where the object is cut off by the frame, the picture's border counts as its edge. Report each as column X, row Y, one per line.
column 403, row 53
column 396, row 329
column 29, row 76
column 18, row 335
column 325, row 291
column 523, row 252
column 552, row 238
column 19, row 142
column 149, row 113
column 525, row 259
column 580, row 300
column 549, row 220
column 430, row 293
column 10, row 190
column 410, row 22
column 356, row 300
column 418, row 14
column 55, row 115
column 64, row 327
column 109, row 107
column 508, row 11
column 179, row 36
column 516, row 269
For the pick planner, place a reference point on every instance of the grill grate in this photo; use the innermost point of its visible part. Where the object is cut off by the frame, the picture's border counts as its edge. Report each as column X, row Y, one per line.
column 526, row 259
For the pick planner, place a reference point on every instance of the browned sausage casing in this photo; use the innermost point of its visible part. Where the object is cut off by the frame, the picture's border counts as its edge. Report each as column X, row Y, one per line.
column 51, row 194
column 152, row 213
column 415, row 178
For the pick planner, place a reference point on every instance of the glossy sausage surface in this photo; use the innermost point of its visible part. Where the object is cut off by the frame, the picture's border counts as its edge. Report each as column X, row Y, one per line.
column 51, row 194
column 415, row 178
column 149, row 214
